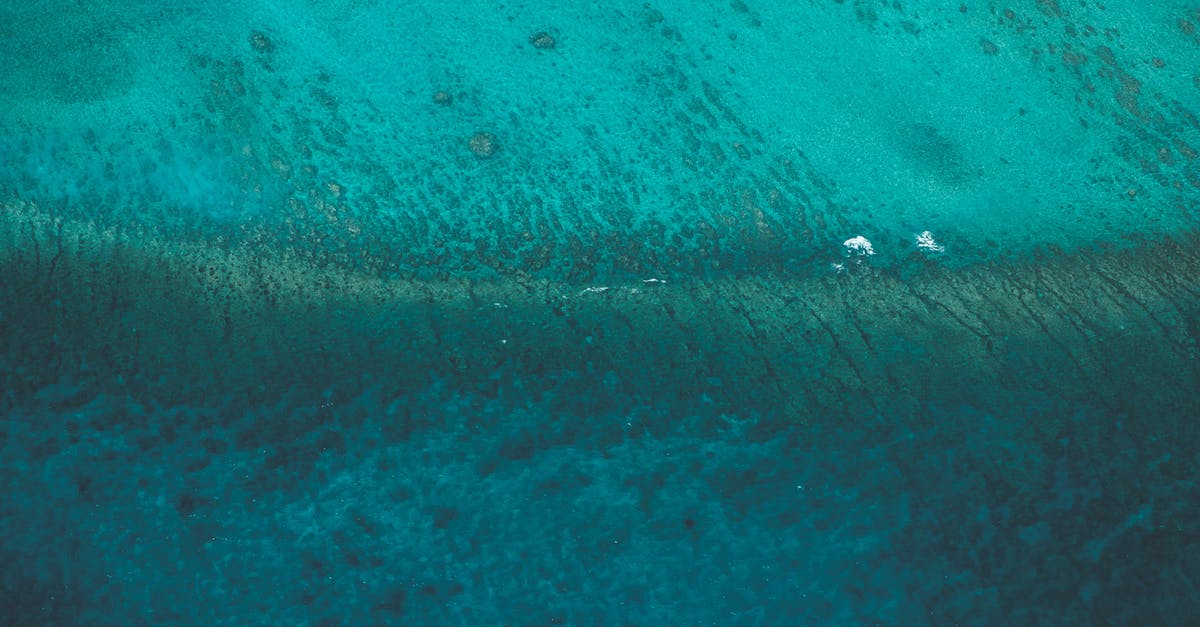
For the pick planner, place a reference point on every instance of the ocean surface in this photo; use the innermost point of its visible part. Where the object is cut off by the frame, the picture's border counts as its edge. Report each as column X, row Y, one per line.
column 718, row 312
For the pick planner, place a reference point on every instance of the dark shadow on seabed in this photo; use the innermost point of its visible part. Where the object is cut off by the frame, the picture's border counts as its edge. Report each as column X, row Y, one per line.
column 1068, row 360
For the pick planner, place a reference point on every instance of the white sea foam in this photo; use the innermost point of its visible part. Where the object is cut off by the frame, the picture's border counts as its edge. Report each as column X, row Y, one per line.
column 926, row 242
column 858, row 245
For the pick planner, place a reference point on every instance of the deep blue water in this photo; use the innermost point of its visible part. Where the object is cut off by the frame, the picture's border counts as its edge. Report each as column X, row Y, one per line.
column 836, row 312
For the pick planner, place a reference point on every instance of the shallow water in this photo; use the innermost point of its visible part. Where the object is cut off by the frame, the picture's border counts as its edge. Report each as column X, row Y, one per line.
column 833, row 313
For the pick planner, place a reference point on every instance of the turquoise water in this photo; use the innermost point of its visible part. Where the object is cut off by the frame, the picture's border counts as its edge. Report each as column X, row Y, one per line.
column 831, row 313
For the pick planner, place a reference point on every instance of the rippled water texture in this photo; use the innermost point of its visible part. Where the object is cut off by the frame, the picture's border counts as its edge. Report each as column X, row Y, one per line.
column 836, row 312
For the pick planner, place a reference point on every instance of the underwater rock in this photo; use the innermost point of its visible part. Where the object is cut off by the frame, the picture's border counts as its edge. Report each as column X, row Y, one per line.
column 261, row 43
column 483, row 144
column 542, row 40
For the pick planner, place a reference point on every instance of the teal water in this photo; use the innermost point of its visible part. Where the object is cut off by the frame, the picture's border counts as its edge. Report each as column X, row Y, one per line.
column 820, row 313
